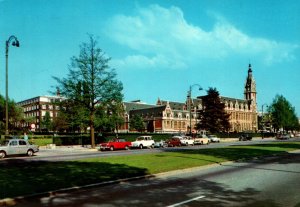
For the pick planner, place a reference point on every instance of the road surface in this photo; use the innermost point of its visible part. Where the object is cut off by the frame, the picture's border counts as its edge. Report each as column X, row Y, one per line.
column 268, row 182
column 76, row 153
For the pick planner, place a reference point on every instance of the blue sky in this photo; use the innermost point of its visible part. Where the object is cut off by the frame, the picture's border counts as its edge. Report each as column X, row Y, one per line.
column 158, row 48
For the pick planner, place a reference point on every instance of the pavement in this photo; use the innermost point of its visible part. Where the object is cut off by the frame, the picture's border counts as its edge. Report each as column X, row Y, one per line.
column 68, row 149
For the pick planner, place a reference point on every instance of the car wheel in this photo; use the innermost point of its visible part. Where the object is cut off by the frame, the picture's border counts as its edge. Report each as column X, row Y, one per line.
column 2, row 154
column 30, row 153
column 141, row 146
column 111, row 148
column 126, row 148
column 208, row 143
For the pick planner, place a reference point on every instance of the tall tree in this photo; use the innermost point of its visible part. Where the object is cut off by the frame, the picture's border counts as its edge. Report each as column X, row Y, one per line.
column 91, row 82
column 283, row 115
column 15, row 112
column 46, row 123
column 136, row 123
column 213, row 117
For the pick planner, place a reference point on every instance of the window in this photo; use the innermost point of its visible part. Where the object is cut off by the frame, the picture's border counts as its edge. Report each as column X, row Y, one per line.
column 22, row 142
column 13, row 143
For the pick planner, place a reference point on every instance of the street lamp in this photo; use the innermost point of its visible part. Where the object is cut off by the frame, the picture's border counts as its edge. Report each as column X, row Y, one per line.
column 14, row 42
column 190, row 103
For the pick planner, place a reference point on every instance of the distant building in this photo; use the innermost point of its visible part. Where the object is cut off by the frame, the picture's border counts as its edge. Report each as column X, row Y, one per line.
column 173, row 117
column 37, row 107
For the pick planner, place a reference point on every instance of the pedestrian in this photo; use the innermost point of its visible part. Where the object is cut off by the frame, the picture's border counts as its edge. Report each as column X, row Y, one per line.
column 25, row 136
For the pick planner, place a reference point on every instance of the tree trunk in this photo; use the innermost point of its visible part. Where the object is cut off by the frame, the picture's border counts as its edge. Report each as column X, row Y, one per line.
column 92, row 131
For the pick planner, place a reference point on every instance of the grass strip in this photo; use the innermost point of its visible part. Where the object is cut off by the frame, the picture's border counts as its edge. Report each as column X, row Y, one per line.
column 24, row 178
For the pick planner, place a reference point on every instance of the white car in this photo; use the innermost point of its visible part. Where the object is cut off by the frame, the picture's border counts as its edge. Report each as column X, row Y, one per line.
column 201, row 139
column 186, row 140
column 214, row 138
column 143, row 142
column 17, row 147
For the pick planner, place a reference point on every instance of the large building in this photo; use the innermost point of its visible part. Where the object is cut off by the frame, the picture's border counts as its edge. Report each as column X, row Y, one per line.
column 36, row 109
column 173, row 117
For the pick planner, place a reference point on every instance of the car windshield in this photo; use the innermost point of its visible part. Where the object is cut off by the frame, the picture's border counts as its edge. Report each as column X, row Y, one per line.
column 140, row 138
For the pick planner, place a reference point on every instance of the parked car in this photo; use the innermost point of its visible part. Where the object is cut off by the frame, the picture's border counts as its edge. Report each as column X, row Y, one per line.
column 245, row 137
column 173, row 142
column 160, row 144
column 297, row 135
column 282, row 136
column 213, row 138
column 201, row 139
column 115, row 144
column 17, row 147
column 186, row 140
column 142, row 142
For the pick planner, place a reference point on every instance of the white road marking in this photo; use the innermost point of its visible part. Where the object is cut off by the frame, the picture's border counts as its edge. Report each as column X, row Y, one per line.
column 187, row 201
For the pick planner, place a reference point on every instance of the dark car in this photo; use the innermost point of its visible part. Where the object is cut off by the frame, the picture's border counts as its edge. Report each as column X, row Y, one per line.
column 245, row 137
column 172, row 142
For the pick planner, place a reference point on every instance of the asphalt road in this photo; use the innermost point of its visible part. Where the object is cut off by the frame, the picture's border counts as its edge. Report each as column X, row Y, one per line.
column 268, row 182
column 75, row 153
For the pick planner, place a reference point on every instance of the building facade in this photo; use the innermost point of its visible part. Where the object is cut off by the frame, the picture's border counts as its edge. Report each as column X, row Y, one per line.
column 36, row 108
column 177, row 117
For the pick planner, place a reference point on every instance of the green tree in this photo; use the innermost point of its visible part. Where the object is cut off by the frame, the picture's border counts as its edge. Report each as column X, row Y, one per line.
column 46, row 123
column 15, row 113
column 91, row 82
column 213, row 117
column 71, row 117
column 109, row 118
column 283, row 115
column 136, row 123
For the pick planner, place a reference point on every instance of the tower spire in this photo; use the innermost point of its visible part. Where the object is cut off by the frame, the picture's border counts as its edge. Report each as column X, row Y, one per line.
column 250, row 88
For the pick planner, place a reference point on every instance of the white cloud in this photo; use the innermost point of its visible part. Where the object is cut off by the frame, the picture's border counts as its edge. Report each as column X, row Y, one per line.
column 162, row 37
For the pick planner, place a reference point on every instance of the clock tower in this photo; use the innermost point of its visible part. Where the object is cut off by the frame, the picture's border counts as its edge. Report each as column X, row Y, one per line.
column 250, row 90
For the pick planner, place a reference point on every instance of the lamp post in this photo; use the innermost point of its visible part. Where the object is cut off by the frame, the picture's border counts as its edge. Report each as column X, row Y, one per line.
column 14, row 42
column 262, row 119
column 190, row 104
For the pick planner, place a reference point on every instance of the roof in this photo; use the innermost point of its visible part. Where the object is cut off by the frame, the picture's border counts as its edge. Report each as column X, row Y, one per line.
column 152, row 111
column 129, row 106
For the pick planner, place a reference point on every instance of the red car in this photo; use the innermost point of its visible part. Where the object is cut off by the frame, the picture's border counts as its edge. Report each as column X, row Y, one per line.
column 173, row 142
column 115, row 144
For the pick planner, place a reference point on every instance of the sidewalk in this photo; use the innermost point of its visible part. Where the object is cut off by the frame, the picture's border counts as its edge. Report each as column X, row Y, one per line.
column 52, row 149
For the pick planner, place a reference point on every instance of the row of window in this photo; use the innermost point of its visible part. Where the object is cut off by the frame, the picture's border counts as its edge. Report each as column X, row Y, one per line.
column 241, row 116
column 236, row 107
column 174, row 124
column 44, row 107
column 241, row 126
column 37, row 113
